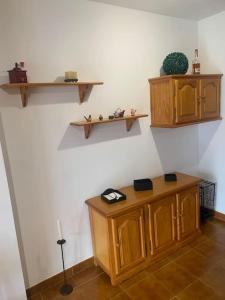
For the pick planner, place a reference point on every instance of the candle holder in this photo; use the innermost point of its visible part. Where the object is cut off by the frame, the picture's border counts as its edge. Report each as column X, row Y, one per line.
column 67, row 288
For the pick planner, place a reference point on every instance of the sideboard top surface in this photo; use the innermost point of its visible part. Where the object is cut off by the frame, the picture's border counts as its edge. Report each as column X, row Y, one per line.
column 185, row 76
column 161, row 189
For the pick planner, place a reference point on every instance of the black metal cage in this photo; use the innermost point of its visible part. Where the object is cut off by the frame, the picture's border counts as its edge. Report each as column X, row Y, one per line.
column 207, row 199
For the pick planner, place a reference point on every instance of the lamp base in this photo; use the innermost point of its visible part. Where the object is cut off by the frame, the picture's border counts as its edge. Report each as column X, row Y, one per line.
column 66, row 289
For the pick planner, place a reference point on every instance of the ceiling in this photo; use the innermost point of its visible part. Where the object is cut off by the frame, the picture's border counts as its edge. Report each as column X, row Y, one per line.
column 188, row 9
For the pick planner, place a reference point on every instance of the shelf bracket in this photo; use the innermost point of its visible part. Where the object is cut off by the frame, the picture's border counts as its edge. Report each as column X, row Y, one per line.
column 24, row 95
column 83, row 90
column 129, row 123
column 87, row 130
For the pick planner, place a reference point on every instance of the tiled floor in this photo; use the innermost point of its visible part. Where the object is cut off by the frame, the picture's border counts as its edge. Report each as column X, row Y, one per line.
column 196, row 272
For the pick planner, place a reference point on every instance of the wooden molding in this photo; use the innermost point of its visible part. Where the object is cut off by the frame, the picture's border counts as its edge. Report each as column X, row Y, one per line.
column 186, row 124
column 219, row 216
column 34, row 290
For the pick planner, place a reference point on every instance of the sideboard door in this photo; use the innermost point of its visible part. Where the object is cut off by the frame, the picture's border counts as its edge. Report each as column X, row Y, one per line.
column 162, row 224
column 129, row 240
column 188, row 212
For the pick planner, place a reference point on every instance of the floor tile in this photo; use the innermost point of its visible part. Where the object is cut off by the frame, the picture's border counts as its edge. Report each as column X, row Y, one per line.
column 180, row 252
column 202, row 238
column 36, row 297
column 214, row 231
column 194, row 272
column 86, row 275
column 211, row 249
column 215, row 277
column 174, row 278
column 148, row 288
column 158, row 265
column 83, row 265
column 198, row 291
column 54, row 294
column 134, row 279
column 121, row 296
column 196, row 264
column 100, row 288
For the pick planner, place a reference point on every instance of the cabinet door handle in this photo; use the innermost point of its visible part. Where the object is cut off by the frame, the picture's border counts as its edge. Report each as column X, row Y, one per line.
column 117, row 245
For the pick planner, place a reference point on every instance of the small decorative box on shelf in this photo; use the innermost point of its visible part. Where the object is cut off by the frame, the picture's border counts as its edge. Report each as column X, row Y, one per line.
column 84, row 88
column 89, row 125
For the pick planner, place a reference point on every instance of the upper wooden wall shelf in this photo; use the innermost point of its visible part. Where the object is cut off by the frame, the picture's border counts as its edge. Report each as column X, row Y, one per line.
column 84, row 88
column 88, row 125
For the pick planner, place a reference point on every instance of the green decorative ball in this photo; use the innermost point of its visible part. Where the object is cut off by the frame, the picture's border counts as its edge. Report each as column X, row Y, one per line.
column 175, row 63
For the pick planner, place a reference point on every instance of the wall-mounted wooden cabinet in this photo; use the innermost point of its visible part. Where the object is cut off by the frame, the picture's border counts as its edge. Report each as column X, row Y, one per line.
column 130, row 235
column 179, row 100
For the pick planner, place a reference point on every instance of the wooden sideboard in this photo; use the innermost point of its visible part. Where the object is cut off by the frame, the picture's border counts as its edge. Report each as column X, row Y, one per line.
column 130, row 235
column 179, row 100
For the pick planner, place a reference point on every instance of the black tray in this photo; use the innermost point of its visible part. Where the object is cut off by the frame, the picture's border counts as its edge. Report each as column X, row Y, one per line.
column 143, row 184
column 108, row 191
column 170, row 177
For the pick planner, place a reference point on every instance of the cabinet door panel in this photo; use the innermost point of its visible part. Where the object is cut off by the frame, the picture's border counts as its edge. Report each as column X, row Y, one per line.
column 129, row 240
column 187, row 100
column 210, row 98
column 162, row 221
column 161, row 102
column 188, row 212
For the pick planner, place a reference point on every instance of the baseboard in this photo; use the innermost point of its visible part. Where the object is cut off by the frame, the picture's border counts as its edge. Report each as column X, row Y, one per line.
column 219, row 216
column 34, row 290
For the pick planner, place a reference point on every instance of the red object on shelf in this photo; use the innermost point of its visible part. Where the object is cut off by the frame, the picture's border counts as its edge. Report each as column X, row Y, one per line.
column 17, row 75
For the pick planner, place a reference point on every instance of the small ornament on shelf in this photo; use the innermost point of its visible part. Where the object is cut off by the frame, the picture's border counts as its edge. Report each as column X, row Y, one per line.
column 133, row 112
column 119, row 113
column 71, row 76
column 17, row 75
column 100, row 117
column 88, row 119
column 111, row 117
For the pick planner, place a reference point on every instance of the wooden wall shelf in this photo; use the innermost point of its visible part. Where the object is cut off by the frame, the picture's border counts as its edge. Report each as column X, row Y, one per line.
column 84, row 88
column 89, row 125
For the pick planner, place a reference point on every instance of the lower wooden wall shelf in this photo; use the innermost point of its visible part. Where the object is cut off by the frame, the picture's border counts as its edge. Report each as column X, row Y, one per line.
column 84, row 88
column 89, row 125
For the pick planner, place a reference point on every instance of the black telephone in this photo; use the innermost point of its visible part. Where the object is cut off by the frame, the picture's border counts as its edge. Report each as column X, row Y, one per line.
column 112, row 196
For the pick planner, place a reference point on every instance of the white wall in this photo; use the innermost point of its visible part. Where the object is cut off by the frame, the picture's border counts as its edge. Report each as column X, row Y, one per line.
column 11, row 277
column 54, row 169
column 211, row 135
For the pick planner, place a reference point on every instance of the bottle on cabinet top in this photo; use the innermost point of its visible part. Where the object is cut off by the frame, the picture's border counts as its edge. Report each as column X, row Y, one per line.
column 196, row 64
